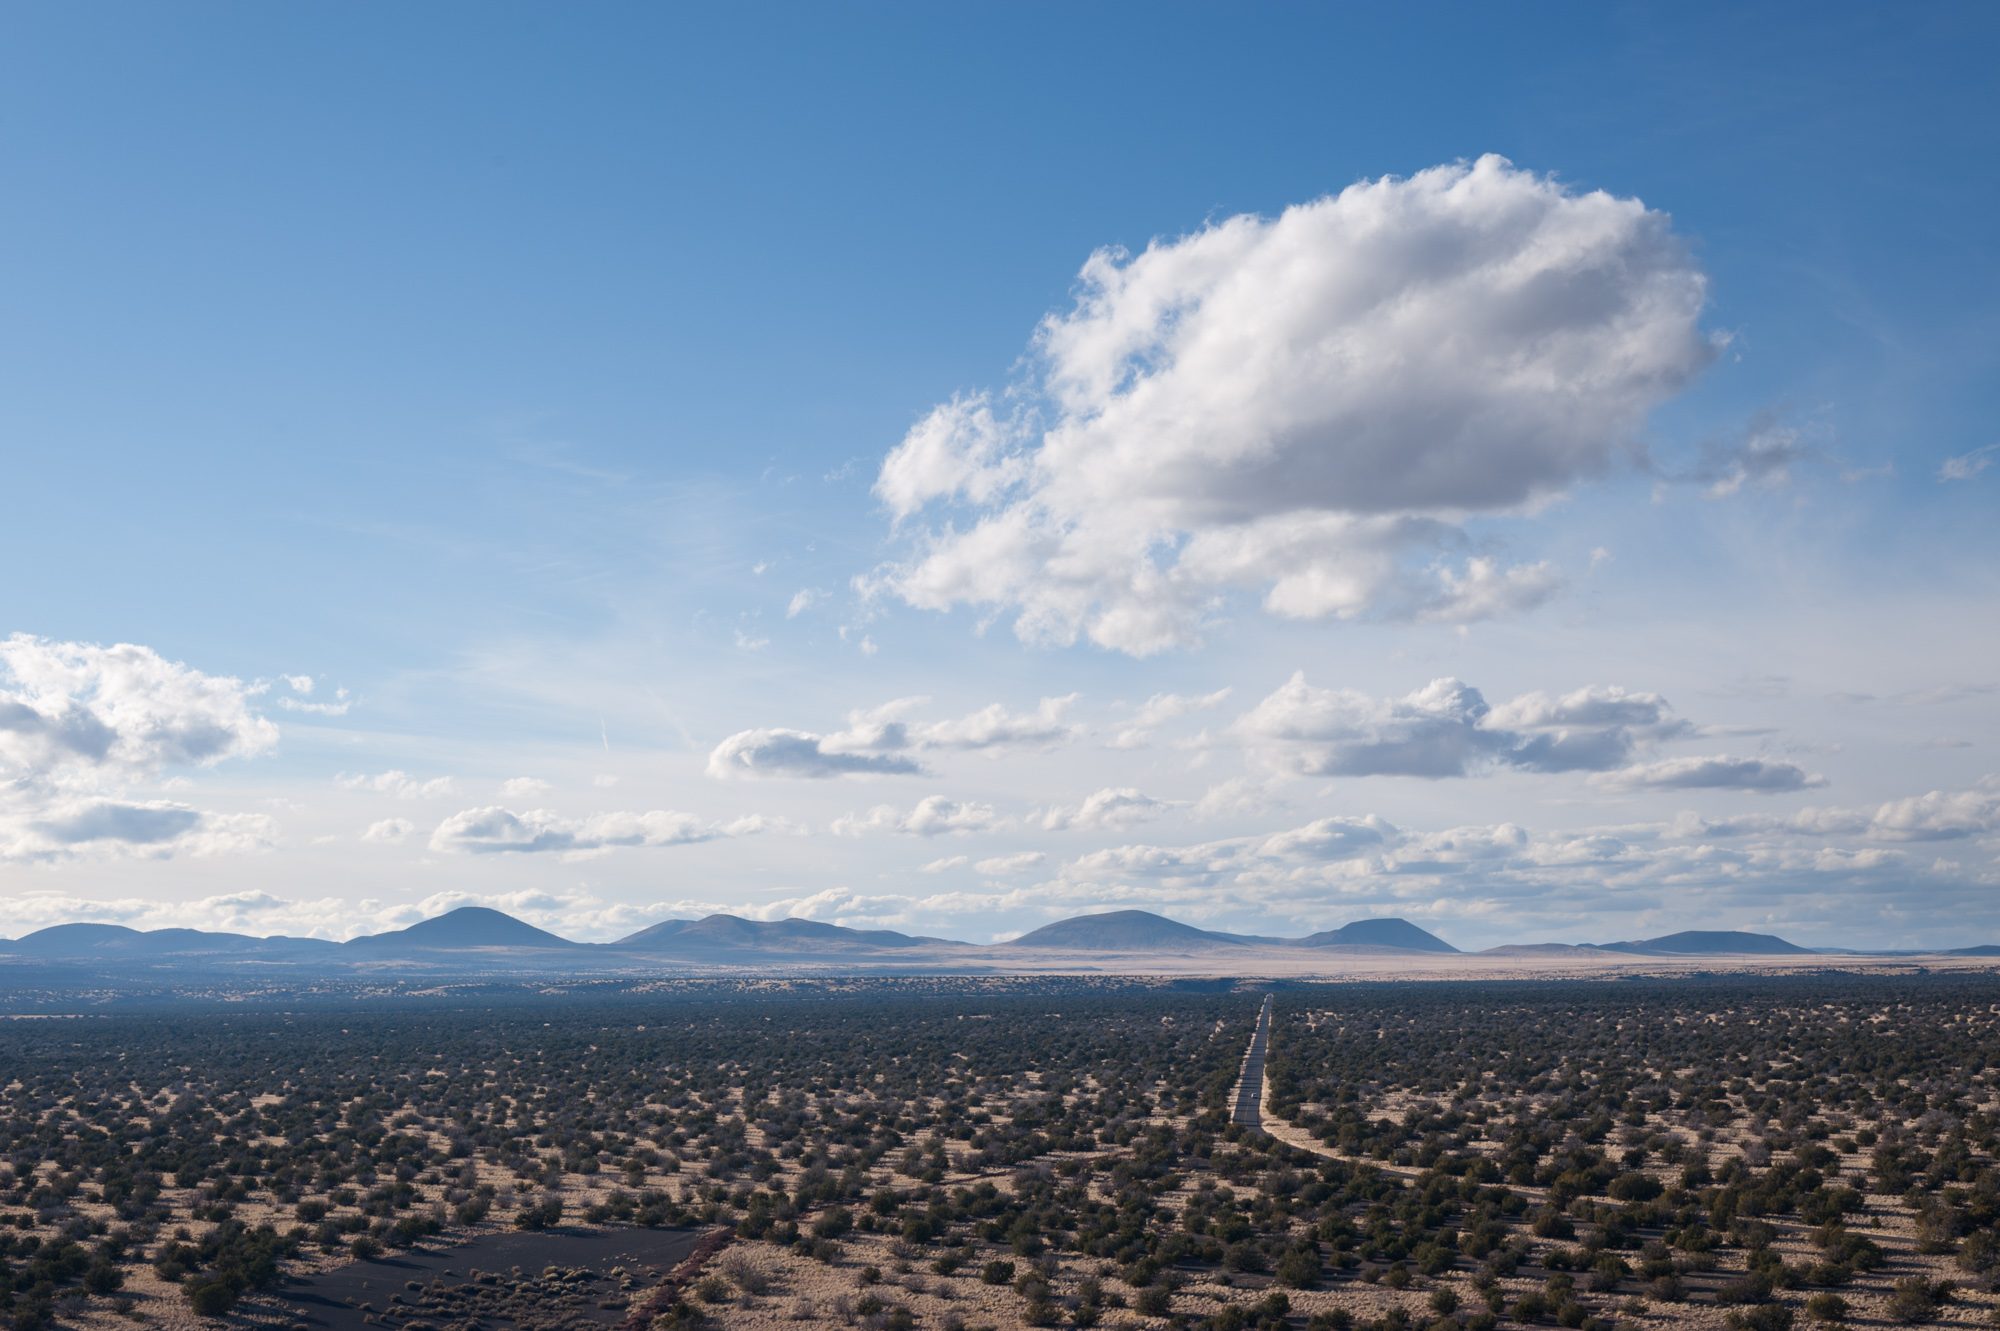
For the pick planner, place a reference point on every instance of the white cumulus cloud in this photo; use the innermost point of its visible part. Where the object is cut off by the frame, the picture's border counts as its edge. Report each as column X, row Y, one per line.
column 1717, row 772
column 494, row 829
column 1309, row 405
column 883, row 741
column 391, row 831
column 933, row 816
column 1113, row 806
column 400, row 784
column 1447, row 729
column 83, row 726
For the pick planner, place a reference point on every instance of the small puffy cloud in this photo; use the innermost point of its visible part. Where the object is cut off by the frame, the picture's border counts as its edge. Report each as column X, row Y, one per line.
column 301, row 684
column 1202, row 863
column 994, row 727
column 1447, row 729
column 999, row 865
column 1331, row 839
column 1160, row 709
column 1309, row 405
column 399, row 784
column 933, row 816
column 841, row 906
column 946, row 864
column 1238, row 797
column 1941, row 815
column 1965, row 466
column 338, row 705
column 1485, row 589
column 390, row 831
column 1120, row 806
column 494, row 829
column 883, row 741
column 1716, row 773
column 1762, row 459
column 111, row 828
column 1690, row 826
column 799, row 753
column 523, row 787
column 804, row 599
column 1432, row 732
column 1594, row 706
column 134, row 824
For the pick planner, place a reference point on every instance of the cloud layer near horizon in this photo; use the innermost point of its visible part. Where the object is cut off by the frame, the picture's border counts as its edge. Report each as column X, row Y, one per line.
column 1314, row 874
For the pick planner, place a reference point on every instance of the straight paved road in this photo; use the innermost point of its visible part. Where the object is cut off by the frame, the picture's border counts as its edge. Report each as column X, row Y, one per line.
column 1248, row 1108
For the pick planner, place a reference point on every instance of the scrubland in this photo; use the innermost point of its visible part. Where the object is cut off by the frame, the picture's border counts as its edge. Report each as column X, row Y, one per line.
column 1735, row 1150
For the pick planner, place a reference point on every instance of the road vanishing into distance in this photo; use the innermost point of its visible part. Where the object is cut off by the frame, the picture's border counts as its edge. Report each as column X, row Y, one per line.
column 1248, row 1109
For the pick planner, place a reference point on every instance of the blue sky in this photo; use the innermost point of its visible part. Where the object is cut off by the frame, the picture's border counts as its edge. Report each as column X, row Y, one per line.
column 543, row 379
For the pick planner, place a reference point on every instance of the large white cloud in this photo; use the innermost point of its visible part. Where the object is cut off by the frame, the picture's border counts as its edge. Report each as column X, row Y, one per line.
column 74, row 713
column 1309, row 405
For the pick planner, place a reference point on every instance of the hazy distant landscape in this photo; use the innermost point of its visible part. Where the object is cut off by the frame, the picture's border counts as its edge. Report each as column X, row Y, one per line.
column 1129, row 942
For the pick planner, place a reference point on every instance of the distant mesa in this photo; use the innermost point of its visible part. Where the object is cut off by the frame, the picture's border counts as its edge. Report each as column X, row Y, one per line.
column 1542, row 950
column 654, row 935
column 717, row 934
column 82, row 940
column 1711, row 943
column 456, row 930
column 1982, row 950
column 1388, row 932
column 109, row 942
column 1123, row 931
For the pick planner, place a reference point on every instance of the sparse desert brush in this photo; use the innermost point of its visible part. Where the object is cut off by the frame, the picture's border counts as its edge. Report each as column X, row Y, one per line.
column 746, row 1273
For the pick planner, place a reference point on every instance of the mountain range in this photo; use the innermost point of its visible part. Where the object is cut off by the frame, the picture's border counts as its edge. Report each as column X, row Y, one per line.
column 475, row 936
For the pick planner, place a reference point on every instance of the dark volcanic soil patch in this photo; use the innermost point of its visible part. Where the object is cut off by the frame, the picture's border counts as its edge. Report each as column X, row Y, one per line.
column 499, row 1282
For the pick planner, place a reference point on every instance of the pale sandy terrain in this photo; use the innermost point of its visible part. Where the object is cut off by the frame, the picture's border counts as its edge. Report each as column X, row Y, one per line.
column 1333, row 964
column 1888, row 1221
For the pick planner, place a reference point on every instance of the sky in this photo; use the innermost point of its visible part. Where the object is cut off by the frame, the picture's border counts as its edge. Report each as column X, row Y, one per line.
column 947, row 468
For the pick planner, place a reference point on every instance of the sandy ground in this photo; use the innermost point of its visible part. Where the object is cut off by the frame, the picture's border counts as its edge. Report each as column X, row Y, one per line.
column 776, row 1286
column 1888, row 1221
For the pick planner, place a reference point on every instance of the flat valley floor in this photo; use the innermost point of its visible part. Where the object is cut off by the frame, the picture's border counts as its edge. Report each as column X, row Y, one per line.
column 1653, row 1150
